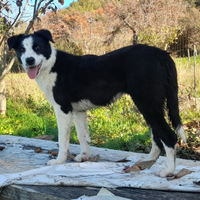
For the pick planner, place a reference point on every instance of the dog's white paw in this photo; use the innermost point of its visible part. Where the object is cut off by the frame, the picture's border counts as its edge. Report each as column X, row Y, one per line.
column 81, row 157
column 55, row 162
column 165, row 173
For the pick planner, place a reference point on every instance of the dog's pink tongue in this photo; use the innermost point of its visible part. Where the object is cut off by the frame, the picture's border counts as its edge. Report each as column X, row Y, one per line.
column 32, row 72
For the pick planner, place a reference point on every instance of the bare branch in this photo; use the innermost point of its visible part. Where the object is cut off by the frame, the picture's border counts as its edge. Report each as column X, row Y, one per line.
column 35, row 14
column 11, row 25
column 23, row 11
column 7, row 69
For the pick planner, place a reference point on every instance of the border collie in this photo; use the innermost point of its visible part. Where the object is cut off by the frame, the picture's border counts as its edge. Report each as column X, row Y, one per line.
column 75, row 84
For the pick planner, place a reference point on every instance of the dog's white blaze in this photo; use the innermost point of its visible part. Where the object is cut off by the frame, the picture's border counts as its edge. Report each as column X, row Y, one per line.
column 29, row 52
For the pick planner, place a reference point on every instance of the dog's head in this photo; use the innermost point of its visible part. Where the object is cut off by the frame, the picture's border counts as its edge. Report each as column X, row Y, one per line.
column 32, row 50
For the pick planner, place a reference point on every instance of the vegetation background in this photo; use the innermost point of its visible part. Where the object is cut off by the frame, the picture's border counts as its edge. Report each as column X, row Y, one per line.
column 97, row 27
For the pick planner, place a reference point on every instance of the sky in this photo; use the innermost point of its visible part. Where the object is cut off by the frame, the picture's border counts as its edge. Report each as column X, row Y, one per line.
column 67, row 3
column 29, row 10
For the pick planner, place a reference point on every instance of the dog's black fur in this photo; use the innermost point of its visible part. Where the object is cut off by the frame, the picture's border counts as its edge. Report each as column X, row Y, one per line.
column 146, row 73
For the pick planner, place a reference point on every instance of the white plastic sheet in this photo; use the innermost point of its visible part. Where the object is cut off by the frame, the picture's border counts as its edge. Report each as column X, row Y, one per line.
column 29, row 168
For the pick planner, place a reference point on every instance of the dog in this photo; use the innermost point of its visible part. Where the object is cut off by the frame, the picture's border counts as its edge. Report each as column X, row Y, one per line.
column 74, row 84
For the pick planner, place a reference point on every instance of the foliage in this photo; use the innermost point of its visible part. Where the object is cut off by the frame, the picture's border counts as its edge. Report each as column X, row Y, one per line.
column 2, row 26
column 86, row 5
column 155, row 23
column 191, row 26
column 193, row 3
column 97, row 27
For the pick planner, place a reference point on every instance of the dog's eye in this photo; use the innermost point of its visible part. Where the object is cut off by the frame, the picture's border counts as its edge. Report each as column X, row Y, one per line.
column 37, row 48
column 22, row 50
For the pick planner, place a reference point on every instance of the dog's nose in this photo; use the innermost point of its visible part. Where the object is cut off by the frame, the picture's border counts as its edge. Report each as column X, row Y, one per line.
column 30, row 60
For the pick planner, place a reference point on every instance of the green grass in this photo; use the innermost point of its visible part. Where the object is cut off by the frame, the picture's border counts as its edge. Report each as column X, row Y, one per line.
column 118, row 126
column 28, row 119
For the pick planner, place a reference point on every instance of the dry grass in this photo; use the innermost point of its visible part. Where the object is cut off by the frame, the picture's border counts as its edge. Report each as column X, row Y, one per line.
column 20, row 86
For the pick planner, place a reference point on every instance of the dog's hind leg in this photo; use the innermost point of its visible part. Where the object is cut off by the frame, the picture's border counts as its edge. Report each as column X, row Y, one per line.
column 64, row 122
column 163, row 136
column 80, row 120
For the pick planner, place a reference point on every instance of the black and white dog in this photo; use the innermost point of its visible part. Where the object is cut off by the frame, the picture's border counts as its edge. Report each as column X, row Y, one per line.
column 75, row 84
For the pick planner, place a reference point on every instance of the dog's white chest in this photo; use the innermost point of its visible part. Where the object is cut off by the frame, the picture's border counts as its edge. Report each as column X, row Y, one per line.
column 46, row 84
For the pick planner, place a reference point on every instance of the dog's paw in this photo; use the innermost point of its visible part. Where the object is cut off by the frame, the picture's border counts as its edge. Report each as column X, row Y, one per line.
column 165, row 173
column 81, row 157
column 55, row 162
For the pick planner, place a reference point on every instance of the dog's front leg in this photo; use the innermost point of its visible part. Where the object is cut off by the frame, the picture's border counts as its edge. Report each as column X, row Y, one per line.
column 64, row 122
column 80, row 120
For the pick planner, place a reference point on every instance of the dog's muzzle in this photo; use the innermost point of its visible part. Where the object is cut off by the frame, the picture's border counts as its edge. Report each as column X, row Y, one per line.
column 33, row 70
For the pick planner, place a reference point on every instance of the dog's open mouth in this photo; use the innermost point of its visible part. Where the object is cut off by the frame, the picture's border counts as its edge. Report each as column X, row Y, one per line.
column 33, row 71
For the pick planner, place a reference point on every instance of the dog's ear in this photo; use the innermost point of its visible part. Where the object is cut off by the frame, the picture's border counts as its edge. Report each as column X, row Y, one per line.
column 45, row 34
column 13, row 42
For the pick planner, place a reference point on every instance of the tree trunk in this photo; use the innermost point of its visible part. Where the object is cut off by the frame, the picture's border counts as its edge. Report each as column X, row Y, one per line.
column 2, row 97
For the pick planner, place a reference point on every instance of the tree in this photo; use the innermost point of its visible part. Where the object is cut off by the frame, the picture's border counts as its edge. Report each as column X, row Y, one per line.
column 7, row 28
column 99, row 27
column 76, row 32
column 191, row 26
column 154, row 22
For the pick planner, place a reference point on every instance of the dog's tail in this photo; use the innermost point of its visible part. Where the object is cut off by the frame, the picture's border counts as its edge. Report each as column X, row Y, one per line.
column 172, row 101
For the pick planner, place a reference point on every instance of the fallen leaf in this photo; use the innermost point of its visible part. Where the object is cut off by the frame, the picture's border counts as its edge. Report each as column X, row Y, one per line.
column 38, row 150
column 54, row 153
column 1, row 148
column 123, row 160
column 140, row 165
column 134, row 168
column 181, row 173
column 196, row 182
column 71, row 156
column 94, row 159
column 145, row 164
